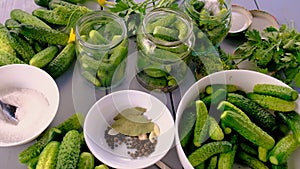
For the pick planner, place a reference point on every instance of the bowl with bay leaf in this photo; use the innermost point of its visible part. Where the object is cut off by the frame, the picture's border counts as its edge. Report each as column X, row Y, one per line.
column 129, row 126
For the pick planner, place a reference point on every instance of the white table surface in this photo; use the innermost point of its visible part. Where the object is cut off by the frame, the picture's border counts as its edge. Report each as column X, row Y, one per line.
column 75, row 97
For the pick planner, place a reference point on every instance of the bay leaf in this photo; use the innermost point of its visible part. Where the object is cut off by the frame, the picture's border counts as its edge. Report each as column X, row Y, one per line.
column 132, row 122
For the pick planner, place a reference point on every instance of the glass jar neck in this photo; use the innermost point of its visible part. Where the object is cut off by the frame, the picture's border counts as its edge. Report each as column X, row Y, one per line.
column 98, row 15
column 158, row 12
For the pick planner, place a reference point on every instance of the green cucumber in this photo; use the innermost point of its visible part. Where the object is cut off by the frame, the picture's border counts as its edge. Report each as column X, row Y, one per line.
column 74, row 122
column 4, row 41
column 249, row 149
column 272, row 103
column 214, row 87
column 44, row 57
column 282, row 92
column 21, row 46
column 31, row 164
column 101, row 166
column 69, row 151
column 42, row 34
column 213, row 162
column 11, row 23
column 186, row 127
column 216, row 97
column 254, row 111
column 26, row 18
column 250, row 161
column 43, row 3
column 48, row 157
column 292, row 119
column 91, row 78
column 7, row 58
column 57, row 16
column 226, row 160
column 262, row 154
column 248, row 129
column 153, row 72
column 35, row 149
column 166, row 34
column 62, row 61
column 215, row 131
column 163, row 21
column 225, row 105
column 283, row 149
column 97, row 38
column 208, row 150
column 86, row 161
column 201, row 118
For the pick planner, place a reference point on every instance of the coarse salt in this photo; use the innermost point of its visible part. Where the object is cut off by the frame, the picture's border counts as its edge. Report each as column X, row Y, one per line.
column 32, row 106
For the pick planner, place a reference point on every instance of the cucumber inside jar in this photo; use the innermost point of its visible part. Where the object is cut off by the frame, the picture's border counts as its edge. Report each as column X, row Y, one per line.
column 102, row 48
column 164, row 47
column 213, row 17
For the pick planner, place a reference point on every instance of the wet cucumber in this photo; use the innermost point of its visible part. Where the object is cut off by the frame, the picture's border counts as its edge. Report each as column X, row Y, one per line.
column 272, row 103
column 282, row 92
column 247, row 129
column 166, row 34
column 101, row 166
column 48, row 157
column 225, row 105
column 201, row 118
column 91, row 78
column 292, row 119
column 62, row 61
column 44, row 57
column 26, row 18
column 208, row 150
column 283, row 149
column 42, row 34
column 254, row 111
column 215, row 97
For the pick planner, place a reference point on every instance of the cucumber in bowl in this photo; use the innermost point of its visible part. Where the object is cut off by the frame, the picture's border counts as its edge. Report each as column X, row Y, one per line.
column 266, row 145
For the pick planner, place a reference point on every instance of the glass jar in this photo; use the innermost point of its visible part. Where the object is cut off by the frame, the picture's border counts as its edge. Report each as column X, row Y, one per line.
column 165, row 41
column 213, row 17
column 102, row 48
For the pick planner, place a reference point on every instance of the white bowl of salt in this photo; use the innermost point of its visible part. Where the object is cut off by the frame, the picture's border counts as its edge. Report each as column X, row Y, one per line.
column 36, row 96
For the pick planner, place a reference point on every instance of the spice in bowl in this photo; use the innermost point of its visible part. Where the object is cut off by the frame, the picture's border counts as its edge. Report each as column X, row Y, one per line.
column 132, row 128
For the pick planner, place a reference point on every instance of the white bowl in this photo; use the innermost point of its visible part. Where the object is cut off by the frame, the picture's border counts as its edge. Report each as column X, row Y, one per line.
column 32, row 78
column 101, row 115
column 245, row 79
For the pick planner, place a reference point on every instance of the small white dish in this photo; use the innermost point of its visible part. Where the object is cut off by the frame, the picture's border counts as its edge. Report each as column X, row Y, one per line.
column 29, row 78
column 241, row 19
column 105, row 109
column 262, row 20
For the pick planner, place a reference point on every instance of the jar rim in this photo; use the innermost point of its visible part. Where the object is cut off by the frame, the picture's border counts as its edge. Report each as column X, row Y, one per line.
column 187, row 3
column 100, row 14
column 157, row 12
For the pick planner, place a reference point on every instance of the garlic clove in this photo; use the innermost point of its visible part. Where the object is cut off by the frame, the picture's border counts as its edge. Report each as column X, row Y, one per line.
column 143, row 137
column 156, row 130
column 152, row 137
column 112, row 132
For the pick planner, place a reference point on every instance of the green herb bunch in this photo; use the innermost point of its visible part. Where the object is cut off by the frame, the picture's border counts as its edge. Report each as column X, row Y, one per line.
column 275, row 52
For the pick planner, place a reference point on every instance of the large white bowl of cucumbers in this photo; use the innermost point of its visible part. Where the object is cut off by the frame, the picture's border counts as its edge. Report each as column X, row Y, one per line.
column 238, row 119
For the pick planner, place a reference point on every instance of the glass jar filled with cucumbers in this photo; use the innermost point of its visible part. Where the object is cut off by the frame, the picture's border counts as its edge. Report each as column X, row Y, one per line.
column 102, row 48
column 165, row 41
column 213, row 17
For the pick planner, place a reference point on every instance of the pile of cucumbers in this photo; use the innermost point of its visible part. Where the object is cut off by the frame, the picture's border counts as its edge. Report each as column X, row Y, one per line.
column 61, row 147
column 226, row 125
column 41, row 38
